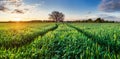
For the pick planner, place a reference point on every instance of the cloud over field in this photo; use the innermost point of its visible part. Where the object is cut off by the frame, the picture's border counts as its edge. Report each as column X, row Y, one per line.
column 109, row 17
column 110, row 5
column 15, row 6
column 10, row 5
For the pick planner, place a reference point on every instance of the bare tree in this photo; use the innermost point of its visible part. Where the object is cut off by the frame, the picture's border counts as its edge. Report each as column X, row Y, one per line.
column 57, row 16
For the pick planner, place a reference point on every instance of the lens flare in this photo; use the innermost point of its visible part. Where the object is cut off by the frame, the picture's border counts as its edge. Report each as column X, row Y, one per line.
column 17, row 19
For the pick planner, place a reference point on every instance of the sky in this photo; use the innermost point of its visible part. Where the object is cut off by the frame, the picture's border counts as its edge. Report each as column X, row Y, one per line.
column 25, row 10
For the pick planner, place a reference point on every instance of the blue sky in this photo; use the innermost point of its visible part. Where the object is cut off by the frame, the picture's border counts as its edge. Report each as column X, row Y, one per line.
column 73, row 9
column 75, row 6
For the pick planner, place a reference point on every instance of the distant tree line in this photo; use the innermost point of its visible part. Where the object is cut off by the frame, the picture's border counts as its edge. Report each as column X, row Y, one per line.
column 98, row 20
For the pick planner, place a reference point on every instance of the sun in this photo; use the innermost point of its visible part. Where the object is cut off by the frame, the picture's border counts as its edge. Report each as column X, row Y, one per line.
column 17, row 19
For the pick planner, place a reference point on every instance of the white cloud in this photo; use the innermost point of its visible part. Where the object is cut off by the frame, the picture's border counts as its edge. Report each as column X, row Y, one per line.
column 109, row 16
column 20, row 9
column 110, row 5
column 16, row 6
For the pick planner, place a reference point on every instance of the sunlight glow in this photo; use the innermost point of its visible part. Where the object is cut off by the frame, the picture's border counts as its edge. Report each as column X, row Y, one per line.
column 17, row 19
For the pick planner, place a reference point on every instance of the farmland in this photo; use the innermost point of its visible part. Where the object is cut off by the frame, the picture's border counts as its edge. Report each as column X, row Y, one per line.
column 59, row 40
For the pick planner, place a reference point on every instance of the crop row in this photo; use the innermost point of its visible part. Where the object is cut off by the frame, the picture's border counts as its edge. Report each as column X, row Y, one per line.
column 63, row 43
column 19, row 34
column 106, row 35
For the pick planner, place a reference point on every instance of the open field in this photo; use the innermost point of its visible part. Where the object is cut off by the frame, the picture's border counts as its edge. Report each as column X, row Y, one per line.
column 59, row 41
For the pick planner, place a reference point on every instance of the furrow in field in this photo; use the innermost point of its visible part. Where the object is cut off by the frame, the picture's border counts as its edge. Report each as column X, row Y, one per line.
column 111, row 47
column 30, row 39
column 63, row 43
column 50, row 29
column 66, row 43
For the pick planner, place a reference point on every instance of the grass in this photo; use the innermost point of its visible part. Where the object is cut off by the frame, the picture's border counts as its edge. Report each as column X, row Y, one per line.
column 60, row 41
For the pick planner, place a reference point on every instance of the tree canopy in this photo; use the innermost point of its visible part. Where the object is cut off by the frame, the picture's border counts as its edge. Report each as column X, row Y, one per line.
column 57, row 16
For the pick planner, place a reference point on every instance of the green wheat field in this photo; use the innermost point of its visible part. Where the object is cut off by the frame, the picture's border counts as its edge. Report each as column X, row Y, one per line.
column 59, row 40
